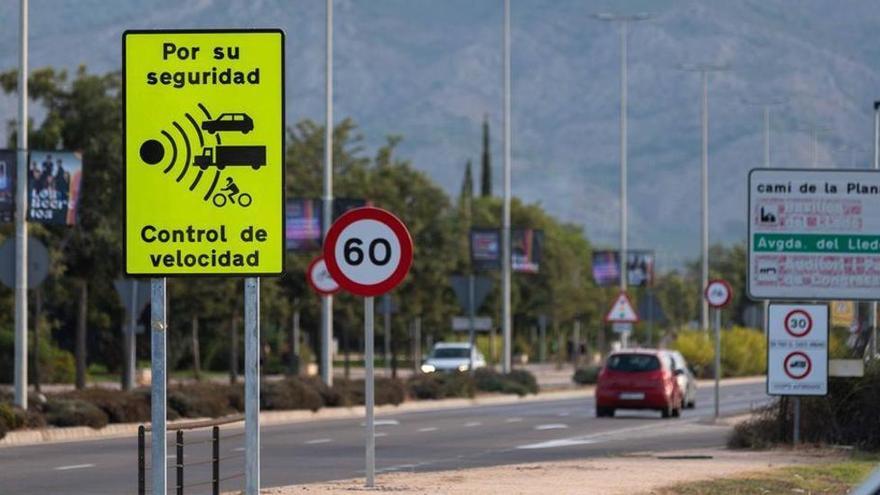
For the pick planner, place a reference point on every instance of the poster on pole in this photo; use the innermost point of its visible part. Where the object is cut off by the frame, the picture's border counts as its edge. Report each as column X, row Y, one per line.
column 54, row 180
column 639, row 268
column 526, row 250
column 8, row 165
column 485, row 249
column 303, row 226
column 814, row 234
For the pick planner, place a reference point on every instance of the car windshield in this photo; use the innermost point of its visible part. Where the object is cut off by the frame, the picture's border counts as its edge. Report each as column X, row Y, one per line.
column 633, row 362
column 450, row 352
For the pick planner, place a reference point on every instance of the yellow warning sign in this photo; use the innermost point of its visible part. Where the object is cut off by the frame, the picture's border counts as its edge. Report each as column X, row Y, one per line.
column 204, row 152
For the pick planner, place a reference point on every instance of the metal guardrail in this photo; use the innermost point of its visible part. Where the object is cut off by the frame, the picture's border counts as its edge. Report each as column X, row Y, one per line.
column 179, row 464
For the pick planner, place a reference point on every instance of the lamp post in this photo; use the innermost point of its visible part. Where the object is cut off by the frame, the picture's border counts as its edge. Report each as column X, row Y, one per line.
column 624, row 21
column 507, row 318
column 327, row 300
column 704, row 69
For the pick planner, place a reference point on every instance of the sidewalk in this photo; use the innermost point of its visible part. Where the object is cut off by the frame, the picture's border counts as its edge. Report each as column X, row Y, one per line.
column 625, row 475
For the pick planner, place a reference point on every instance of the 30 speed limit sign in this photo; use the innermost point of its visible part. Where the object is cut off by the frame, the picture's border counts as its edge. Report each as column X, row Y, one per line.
column 797, row 349
column 368, row 251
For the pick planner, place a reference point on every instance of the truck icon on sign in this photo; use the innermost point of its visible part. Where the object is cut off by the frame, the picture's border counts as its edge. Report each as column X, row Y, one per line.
column 222, row 156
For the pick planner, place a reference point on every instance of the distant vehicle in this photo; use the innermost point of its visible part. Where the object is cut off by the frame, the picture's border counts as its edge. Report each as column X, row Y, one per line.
column 639, row 379
column 227, row 156
column 687, row 382
column 229, row 122
column 451, row 357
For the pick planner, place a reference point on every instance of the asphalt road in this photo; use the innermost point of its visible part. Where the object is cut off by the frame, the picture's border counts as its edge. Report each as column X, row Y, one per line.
column 415, row 441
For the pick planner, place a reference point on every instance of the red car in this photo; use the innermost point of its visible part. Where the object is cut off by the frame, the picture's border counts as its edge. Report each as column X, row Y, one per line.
column 638, row 379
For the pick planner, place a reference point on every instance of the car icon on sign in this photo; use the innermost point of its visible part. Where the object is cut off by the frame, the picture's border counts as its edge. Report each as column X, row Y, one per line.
column 229, row 122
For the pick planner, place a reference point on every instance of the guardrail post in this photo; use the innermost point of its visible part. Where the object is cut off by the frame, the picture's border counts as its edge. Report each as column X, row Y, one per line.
column 215, row 460
column 179, row 462
column 142, row 468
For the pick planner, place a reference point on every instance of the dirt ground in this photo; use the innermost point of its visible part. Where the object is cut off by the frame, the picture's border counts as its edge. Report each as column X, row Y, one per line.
column 628, row 475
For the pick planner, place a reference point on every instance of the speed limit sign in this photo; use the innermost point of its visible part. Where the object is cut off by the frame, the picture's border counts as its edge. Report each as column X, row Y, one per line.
column 368, row 251
column 718, row 293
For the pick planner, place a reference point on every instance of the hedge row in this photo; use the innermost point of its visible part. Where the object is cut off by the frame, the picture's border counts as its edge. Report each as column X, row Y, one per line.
column 846, row 416
column 97, row 407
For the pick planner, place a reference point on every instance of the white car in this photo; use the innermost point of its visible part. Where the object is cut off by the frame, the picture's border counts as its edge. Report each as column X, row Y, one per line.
column 450, row 357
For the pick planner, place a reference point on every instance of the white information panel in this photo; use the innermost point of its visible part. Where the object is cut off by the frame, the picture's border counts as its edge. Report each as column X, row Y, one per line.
column 797, row 349
column 814, row 234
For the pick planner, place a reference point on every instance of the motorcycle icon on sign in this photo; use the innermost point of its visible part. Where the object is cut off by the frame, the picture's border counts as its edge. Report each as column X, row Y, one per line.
column 230, row 193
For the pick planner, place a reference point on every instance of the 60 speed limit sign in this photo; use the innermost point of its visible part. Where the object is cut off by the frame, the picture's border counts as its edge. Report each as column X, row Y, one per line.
column 368, row 251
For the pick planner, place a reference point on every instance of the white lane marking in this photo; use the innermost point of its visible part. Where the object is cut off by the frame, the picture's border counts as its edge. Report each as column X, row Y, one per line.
column 381, row 434
column 430, row 428
column 238, row 449
column 565, row 442
column 74, row 466
column 513, row 420
column 553, row 426
column 318, row 440
column 472, row 424
column 384, row 422
column 564, row 414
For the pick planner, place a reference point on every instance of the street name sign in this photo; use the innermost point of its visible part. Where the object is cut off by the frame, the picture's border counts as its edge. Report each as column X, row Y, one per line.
column 204, row 152
column 814, row 234
column 797, row 349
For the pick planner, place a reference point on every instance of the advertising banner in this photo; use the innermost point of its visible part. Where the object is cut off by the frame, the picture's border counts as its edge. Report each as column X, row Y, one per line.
column 639, row 268
column 8, row 164
column 485, row 249
column 302, row 231
column 54, row 179
column 525, row 250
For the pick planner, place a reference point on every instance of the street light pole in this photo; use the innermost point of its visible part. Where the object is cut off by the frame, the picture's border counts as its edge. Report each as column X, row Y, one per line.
column 507, row 322
column 21, row 247
column 327, row 300
column 704, row 70
column 876, row 164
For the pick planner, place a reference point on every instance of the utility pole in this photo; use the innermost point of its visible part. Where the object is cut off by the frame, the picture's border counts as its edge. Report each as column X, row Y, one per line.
column 327, row 300
column 506, row 313
column 704, row 69
column 21, row 247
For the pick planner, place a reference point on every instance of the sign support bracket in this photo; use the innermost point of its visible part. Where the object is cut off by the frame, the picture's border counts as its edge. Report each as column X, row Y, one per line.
column 369, row 393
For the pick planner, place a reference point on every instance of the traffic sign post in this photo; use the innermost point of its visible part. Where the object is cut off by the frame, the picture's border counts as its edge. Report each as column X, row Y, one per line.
column 204, row 182
column 797, row 353
column 718, row 294
column 368, row 251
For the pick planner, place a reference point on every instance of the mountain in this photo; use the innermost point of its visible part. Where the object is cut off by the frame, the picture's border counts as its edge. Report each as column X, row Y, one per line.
column 430, row 70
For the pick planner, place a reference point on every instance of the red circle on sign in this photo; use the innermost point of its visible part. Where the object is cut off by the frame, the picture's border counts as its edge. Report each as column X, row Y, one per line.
column 310, row 274
column 806, row 371
column 400, row 232
column 793, row 332
column 710, row 286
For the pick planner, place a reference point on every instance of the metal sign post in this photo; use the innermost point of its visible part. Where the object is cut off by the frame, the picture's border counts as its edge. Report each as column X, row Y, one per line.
column 21, row 241
column 368, row 251
column 718, row 294
column 252, row 384
column 158, row 326
column 369, row 392
column 472, row 314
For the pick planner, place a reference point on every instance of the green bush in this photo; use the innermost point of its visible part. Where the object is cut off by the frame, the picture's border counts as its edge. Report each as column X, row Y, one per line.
column 519, row 382
column 586, row 376
column 525, row 379
column 56, row 365
column 120, row 406
column 289, row 393
column 74, row 412
column 387, row 391
column 330, row 396
column 434, row 386
column 202, row 400
column 743, row 351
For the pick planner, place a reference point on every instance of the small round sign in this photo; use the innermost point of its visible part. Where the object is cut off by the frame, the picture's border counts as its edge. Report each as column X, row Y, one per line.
column 798, row 323
column 797, row 365
column 319, row 278
column 368, row 251
column 718, row 293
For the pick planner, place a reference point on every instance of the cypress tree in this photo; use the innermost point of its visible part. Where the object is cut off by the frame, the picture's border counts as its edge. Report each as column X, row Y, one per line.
column 486, row 179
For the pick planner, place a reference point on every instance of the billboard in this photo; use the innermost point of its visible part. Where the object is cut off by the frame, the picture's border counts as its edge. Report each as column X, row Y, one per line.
column 8, row 163
column 639, row 268
column 814, row 234
column 485, row 249
column 525, row 250
column 54, row 179
column 304, row 220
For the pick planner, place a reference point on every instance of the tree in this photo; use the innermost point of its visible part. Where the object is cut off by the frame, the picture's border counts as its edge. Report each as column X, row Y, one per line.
column 486, row 179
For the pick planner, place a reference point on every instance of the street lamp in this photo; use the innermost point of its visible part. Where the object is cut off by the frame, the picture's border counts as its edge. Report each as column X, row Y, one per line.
column 704, row 69
column 624, row 21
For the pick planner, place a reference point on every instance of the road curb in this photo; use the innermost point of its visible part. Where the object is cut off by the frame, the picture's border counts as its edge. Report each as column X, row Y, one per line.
column 19, row 438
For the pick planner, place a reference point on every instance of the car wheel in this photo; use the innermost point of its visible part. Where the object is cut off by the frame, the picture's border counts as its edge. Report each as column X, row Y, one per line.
column 692, row 404
column 666, row 412
column 676, row 412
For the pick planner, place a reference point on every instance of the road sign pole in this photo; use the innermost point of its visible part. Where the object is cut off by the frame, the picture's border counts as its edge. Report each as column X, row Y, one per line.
column 471, row 322
column 158, row 328
column 252, row 384
column 506, row 319
column 327, row 300
column 131, row 339
column 796, row 427
column 21, row 265
column 717, row 363
column 386, row 321
column 542, row 348
column 873, row 316
column 369, row 393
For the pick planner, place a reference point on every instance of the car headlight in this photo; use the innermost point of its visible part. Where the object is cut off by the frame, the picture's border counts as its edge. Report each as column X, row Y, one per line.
column 463, row 367
column 428, row 368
